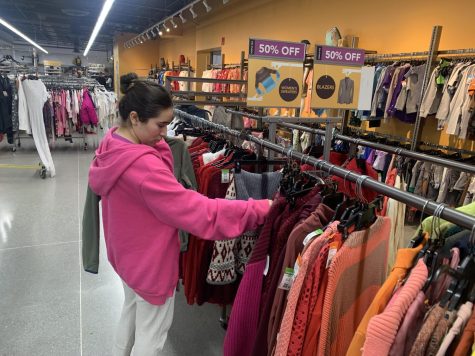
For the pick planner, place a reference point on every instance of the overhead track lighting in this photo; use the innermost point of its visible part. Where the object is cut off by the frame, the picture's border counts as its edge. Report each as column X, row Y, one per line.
column 100, row 21
column 208, row 8
column 148, row 35
column 173, row 23
column 22, row 35
column 160, row 33
column 183, row 20
column 166, row 28
column 193, row 13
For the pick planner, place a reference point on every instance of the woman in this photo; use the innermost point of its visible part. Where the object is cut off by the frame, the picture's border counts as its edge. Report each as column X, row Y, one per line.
column 143, row 206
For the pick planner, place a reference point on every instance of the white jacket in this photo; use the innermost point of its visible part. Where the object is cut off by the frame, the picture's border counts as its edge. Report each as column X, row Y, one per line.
column 459, row 115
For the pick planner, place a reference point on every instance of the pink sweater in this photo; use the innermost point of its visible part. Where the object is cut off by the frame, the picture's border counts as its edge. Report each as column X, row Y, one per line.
column 382, row 328
column 143, row 206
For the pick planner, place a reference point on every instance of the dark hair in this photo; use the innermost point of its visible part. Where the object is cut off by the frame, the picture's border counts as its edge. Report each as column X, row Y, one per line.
column 146, row 98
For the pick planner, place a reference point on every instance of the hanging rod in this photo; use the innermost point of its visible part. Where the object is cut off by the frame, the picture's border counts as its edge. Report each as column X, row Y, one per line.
column 293, row 119
column 206, row 80
column 459, row 166
column 464, row 220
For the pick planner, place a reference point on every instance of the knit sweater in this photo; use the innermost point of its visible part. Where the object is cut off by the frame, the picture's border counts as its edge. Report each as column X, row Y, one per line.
column 382, row 328
column 319, row 218
column 467, row 339
column 463, row 315
column 244, row 318
column 283, row 338
column 434, row 317
column 355, row 275
column 404, row 262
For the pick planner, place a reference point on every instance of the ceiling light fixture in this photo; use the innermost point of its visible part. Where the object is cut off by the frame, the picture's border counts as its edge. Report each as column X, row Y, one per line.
column 148, row 35
column 100, row 21
column 22, row 35
column 143, row 38
column 183, row 20
column 208, row 8
column 166, row 28
column 193, row 13
column 225, row 2
column 173, row 23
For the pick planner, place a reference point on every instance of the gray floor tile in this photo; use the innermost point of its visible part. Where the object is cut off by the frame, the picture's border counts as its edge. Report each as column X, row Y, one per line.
column 45, row 298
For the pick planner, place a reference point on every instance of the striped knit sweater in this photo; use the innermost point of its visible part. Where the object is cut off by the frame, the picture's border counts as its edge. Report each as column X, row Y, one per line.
column 354, row 277
column 383, row 328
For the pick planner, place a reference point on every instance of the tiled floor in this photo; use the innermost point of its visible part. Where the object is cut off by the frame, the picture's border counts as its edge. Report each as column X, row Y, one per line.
column 48, row 305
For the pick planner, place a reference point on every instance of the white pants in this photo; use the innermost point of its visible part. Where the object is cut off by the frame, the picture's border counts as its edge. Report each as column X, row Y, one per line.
column 143, row 327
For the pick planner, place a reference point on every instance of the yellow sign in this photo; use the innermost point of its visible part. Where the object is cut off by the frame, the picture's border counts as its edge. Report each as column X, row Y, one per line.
column 275, row 73
column 47, row 63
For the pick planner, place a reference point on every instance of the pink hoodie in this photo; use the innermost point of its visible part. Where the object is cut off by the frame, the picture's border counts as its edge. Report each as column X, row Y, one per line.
column 143, row 205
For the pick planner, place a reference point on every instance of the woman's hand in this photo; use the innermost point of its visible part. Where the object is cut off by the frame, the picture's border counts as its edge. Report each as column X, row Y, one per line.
column 270, row 202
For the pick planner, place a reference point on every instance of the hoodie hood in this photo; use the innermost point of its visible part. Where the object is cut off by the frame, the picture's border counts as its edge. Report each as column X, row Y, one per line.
column 113, row 158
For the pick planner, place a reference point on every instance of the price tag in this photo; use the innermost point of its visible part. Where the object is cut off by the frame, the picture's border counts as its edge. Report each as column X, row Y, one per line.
column 287, row 279
column 225, row 176
column 5, row 93
column 310, row 236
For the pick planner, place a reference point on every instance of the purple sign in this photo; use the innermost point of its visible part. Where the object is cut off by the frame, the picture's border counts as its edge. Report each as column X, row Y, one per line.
column 277, row 49
column 339, row 55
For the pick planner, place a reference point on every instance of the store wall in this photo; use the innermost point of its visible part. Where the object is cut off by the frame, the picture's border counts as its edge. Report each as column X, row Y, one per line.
column 386, row 27
column 137, row 59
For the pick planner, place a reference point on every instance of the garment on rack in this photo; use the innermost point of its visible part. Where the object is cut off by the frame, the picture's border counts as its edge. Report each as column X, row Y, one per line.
column 87, row 112
column 6, row 101
column 35, row 96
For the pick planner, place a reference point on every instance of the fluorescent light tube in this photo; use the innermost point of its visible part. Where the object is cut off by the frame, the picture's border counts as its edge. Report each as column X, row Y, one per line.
column 100, row 21
column 22, row 35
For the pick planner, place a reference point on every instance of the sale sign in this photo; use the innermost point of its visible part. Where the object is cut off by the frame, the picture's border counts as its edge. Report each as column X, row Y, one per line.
column 275, row 73
column 337, row 77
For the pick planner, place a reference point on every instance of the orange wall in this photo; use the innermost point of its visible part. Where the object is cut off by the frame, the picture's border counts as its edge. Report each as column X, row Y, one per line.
column 384, row 26
column 137, row 59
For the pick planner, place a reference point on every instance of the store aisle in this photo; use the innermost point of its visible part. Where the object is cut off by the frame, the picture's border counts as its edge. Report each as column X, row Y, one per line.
column 49, row 306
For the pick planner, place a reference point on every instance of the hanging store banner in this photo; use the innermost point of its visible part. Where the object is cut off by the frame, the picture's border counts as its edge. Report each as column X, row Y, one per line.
column 275, row 73
column 337, row 77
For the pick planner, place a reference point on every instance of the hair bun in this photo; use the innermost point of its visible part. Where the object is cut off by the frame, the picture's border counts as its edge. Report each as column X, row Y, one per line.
column 127, row 82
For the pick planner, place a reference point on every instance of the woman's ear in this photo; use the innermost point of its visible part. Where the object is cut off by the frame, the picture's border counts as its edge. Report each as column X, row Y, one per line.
column 134, row 118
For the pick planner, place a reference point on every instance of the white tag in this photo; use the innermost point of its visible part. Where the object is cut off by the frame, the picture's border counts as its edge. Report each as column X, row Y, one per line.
column 310, row 236
column 331, row 253
column 287, row 279
column 225, row 176
column 266, row 270
column 5, row 93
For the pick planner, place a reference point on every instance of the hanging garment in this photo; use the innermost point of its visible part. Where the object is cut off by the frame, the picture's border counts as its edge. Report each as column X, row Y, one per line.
column 36, row 96
column 295, row 246
column 468, row 336
column 285, row 332
column 410, row 326
column 6, row 100
column 463, row 315
column 402, row 265
column 348, row 295
column 423, row 338
column 459, row 116
column 382, row 328
column 88, row 112
column 243, row 322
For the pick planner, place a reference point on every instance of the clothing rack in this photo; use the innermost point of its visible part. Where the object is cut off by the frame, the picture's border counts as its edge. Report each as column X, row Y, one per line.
column 421, row 143
column 273, row 121
column 461, row 219
column 205, row 102
column 459, row 166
